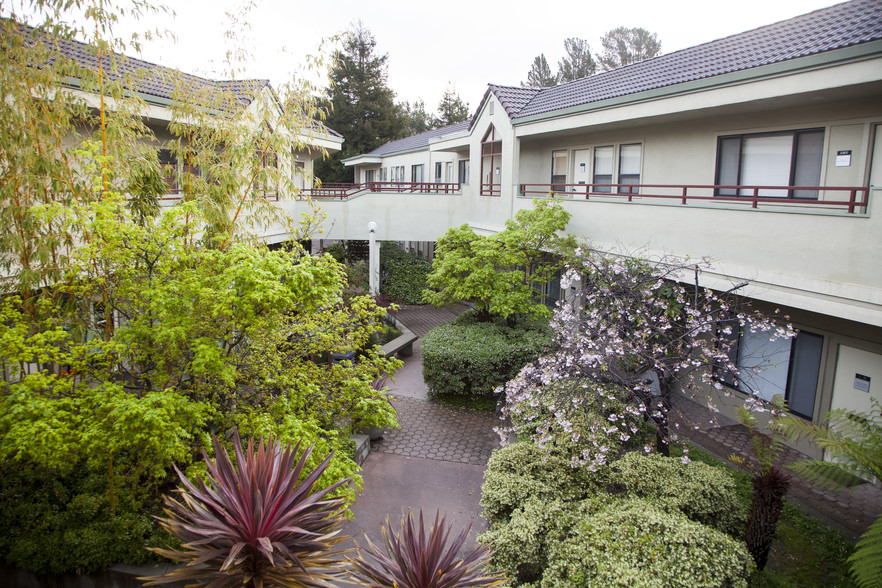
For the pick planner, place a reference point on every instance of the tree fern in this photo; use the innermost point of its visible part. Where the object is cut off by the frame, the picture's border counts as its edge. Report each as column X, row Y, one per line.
column 854, row 439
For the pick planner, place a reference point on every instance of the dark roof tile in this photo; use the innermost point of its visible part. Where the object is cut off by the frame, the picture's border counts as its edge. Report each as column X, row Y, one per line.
column 827, row 29
column 420, row 141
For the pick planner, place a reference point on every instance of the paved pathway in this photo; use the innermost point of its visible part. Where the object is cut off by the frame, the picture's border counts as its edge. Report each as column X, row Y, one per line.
column 435, row 461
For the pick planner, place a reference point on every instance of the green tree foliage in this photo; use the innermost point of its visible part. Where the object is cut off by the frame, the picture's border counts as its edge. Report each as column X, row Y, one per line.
column 416, row 119
column 577, row 63
column 540, row 75
column 127, row 335
column 854, row 440
column 451, row 109
column 624, row 46
column 500, row 273
column 362, row 106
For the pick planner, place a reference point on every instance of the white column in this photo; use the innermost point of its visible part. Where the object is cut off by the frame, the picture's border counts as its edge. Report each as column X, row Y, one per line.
column 373, row 260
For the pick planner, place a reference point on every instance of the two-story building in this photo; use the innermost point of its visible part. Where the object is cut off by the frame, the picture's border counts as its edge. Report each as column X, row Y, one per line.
column 761, row 151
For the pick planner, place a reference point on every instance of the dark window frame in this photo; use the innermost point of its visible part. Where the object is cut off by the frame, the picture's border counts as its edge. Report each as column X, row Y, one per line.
column 731, row 381
column 794, row 152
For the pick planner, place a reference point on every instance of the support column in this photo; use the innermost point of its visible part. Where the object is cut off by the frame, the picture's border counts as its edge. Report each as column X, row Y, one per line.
column 373, row 260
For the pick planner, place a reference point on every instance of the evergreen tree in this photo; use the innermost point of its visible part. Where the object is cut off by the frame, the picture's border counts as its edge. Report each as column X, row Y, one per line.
column 363, row 107
column 577, row 63
column 416, row 119
column 540, row 75
column 452, row 109
column 623, row 46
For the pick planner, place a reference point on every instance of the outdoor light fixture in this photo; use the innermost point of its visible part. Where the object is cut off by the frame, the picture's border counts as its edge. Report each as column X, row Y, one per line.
column 372, row 227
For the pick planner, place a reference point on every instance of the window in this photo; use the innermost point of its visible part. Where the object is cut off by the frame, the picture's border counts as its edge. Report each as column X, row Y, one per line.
column 558, row 170
column 400, row 173
column 603, row 168
column 789, row 158
column 790, row 367
column 437, row 172
column 463, row 175
column 491, row 164
column 298, row 171
column 629, row 167
column 416, row 174
column 369, row 175
column 168, row 164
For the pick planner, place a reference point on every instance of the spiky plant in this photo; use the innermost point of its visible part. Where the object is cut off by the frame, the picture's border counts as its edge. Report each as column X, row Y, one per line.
column 770, row 485
column 855, row 440
column 257, row 524
column 415, row 558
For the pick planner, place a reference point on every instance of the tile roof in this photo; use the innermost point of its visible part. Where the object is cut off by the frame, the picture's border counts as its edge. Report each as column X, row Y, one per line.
column 420, row 141
column 149, row 79
column 827, row 29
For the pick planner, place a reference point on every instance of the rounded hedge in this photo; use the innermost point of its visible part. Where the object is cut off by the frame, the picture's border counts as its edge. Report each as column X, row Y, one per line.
column 635, row 544
column 474, row 358
column 703, row 493
column 522, row 471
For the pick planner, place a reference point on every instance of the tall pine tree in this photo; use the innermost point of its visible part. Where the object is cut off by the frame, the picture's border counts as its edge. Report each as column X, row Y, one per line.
column 577, row 63
column 363, row 107
column 540, row 75
column 624, row 46
column 451, row 109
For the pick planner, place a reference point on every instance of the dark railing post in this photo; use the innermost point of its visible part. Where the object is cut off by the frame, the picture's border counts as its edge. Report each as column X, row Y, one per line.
column 685, row 189
column 755, row 196
column 851, row 201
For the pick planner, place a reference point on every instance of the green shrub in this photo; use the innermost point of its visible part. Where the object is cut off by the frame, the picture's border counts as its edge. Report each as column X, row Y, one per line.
column 51, row 524
column 703, row 493
column 520, row 546
column 336, row 251
column 523, row 471
column 404, row 274
column 634, row 543
column 476, row 358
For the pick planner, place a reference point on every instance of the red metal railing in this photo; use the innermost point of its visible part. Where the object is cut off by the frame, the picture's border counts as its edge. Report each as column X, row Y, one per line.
column 345, row 190
column 747, row 195
column 174, row 195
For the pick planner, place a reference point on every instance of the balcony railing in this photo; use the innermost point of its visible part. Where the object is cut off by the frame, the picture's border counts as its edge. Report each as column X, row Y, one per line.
column 174, row 195
column 343, row 191
column 850, row 199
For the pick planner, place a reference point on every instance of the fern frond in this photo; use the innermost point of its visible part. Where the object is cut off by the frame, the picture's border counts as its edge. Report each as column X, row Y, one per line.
column 824, row 474
column 866, row 561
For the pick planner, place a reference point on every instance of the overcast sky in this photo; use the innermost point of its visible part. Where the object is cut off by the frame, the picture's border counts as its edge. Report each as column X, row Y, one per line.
column 466, row 43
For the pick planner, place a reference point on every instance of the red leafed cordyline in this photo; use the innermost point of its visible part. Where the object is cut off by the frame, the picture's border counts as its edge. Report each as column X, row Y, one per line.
column 255, row 525
column 414, row 558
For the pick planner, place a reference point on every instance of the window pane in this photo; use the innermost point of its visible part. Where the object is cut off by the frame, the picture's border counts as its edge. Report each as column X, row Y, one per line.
column 809, row 151
column 603, row 168
column 629, row 159
column 558, row 167
column 727, row 166
column 805, row 366
column 765, row 161
column 763, row 364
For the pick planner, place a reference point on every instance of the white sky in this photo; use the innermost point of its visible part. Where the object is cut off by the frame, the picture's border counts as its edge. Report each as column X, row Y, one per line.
column 432, row 43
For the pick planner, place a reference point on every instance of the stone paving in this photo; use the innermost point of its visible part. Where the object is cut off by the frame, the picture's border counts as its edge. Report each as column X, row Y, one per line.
column 434, row 431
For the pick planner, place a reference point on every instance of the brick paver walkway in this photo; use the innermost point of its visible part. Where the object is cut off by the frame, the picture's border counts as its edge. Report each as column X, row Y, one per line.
column 434, row 431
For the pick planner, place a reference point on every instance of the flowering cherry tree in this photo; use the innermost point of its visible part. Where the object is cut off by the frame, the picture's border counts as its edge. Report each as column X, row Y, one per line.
column 632, row 331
